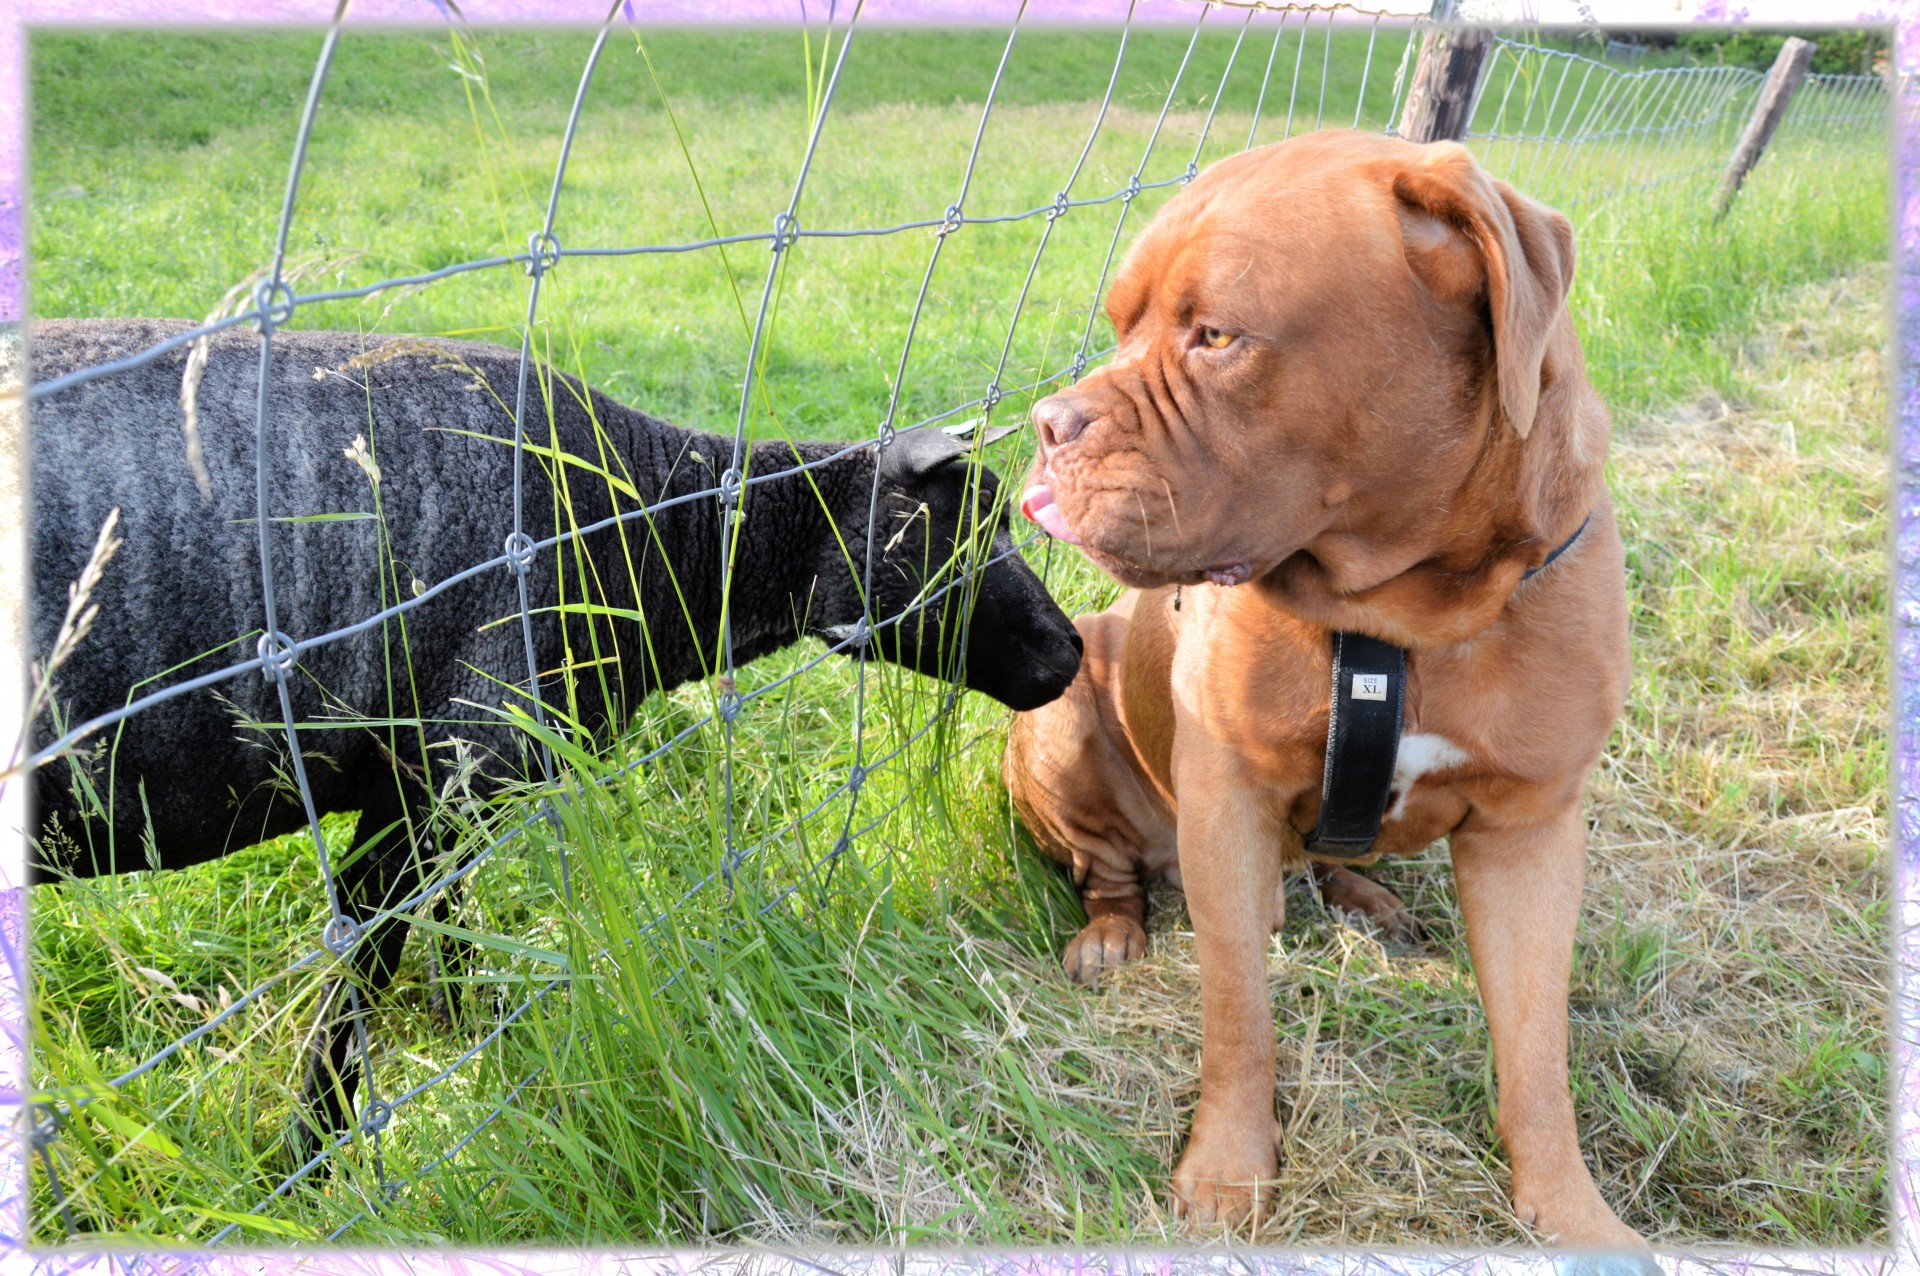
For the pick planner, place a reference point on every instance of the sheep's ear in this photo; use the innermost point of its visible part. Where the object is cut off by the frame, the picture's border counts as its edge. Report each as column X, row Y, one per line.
column 997, row 433
column 915, row 453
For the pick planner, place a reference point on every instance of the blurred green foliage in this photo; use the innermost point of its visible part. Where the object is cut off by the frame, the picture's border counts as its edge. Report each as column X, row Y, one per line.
column 1847, row 52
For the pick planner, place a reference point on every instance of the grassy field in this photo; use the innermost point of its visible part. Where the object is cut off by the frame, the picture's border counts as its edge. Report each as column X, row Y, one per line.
column 887, row 1051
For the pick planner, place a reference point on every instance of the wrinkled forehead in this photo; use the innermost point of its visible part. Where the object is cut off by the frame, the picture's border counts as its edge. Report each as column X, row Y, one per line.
column 1248, row 238
column 1233, row 256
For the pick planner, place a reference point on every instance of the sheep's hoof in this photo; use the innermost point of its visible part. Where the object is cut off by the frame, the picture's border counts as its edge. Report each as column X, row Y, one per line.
column 443, row 1005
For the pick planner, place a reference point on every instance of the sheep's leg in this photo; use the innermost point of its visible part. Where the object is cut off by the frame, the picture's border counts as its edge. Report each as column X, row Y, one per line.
column 374, row 878
column 449, row 959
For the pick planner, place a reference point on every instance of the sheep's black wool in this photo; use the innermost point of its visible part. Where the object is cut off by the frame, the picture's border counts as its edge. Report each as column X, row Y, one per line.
column 204, row 774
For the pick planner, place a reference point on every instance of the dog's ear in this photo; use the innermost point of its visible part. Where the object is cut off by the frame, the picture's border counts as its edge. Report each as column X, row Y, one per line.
column 1466, row 232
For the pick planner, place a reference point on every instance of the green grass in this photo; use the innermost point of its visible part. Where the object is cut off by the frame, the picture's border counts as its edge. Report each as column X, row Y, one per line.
column 664, row 331
column 891, row 1053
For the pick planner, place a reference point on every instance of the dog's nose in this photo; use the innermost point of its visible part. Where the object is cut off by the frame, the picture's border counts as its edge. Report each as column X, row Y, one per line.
column 1058, row 419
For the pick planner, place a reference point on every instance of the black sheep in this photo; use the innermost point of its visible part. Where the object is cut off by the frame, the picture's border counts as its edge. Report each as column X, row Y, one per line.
column 431, row 424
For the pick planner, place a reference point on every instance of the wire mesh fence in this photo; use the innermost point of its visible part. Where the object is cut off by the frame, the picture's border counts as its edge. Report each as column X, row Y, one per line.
column 1570, row 129
column 770, row 827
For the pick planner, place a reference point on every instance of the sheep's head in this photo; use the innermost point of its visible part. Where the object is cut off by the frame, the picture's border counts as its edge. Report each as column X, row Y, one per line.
column 952, row 596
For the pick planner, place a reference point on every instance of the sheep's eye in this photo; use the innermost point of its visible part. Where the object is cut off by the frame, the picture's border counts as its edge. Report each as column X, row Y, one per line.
column 1215, row 338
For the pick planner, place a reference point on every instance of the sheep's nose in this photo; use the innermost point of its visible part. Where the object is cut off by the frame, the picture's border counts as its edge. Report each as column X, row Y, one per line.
column 1079, row 644
column 1058, row 419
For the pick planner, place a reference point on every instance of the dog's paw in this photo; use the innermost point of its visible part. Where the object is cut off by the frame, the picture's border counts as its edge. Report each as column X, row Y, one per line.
column 1348, row 891
column 1223, row 1183
column 1107, row 942
column 1572, row 1215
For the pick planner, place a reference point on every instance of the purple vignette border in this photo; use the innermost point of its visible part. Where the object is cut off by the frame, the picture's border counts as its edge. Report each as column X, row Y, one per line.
column 1904, row 1178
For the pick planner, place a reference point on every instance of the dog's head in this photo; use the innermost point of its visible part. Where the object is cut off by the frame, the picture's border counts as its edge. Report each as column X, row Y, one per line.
column 952, row 597
column 1328, row 348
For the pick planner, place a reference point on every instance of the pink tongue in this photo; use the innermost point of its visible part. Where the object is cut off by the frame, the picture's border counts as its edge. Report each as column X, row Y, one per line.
column 1037, row 504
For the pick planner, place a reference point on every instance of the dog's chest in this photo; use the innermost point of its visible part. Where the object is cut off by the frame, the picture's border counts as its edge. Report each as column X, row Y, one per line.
column 1275, row 707
column 1419, row 756
column 1427, row 797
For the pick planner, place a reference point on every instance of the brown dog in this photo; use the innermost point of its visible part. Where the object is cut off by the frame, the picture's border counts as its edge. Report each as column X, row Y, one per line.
column 1347, row 396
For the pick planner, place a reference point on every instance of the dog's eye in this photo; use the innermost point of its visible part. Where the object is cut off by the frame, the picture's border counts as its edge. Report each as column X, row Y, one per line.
column 1217, row 339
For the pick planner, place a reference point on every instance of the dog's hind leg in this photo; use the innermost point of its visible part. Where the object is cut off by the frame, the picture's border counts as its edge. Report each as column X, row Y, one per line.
column 1089, row 810
column 383, row 870
column 1116, row 931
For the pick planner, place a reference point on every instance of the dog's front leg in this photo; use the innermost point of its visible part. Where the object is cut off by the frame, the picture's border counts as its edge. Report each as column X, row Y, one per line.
column 1230, row 870
column 1520, row 894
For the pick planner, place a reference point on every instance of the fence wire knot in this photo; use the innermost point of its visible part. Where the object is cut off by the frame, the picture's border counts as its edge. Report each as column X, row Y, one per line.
column 886, row 434
column 519, row 551
column 543, row 252
column 1133, row 189
column 729, row 489
column 729, row 705
column 1079, row 366
column 1193, row 171
column 277, row 656
column 953, row 219
column 374, row 1117
column 340, row 934
column 991, row 398
column 856, row 778
column 1060, row 206
column 786, row 230
column 274, row 299
column 46, row 1129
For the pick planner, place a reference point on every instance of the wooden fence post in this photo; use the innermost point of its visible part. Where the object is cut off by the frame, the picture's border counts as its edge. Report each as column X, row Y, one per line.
column 1788, row 70
column 1440, row 99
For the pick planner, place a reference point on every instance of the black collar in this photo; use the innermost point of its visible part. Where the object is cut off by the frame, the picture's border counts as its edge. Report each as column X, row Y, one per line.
column 1363, row 736
column 1565, row 545
column 1363, row 743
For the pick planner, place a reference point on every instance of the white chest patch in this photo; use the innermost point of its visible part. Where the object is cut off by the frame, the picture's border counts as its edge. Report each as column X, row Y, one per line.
column 1420, row 755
